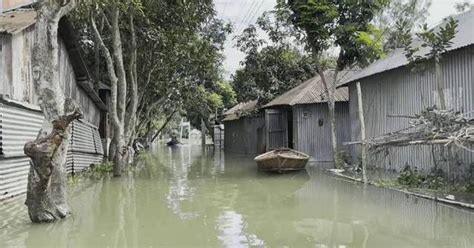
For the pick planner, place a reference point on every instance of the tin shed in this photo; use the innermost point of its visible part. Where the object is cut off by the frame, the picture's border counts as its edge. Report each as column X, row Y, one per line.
column 390, row 88
column 305, row 116
column 244, row 126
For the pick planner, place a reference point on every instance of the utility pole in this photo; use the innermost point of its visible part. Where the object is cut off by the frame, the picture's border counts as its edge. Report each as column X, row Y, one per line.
column 362, row 132
column 203, row 133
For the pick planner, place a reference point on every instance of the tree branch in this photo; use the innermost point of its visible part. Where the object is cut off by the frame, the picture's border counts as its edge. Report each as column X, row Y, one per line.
column 111, row 72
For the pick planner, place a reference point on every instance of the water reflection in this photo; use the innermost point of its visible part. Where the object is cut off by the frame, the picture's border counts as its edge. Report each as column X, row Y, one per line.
column 182, row 197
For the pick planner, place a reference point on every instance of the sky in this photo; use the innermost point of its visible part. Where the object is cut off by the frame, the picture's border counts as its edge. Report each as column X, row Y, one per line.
column 242, row 13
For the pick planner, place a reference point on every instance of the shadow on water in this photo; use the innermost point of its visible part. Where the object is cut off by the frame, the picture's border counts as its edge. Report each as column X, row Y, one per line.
column 184, row 197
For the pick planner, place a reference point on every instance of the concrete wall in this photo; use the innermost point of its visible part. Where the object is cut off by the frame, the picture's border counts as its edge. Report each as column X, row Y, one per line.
column 402, row 92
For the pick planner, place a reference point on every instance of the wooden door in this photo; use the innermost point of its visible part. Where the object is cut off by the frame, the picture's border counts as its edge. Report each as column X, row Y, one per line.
column 276, row 129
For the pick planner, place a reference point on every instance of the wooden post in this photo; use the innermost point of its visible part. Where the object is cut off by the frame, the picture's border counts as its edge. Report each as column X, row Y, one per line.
column 181, row 130
column 360, row 110
column 203, row 134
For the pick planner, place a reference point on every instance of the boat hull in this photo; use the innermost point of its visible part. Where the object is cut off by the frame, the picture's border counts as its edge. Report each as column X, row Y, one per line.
column 282, row 160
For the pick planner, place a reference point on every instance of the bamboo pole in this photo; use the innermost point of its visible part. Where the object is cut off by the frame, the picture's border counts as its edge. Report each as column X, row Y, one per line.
column 203, row 134
column 360, row 109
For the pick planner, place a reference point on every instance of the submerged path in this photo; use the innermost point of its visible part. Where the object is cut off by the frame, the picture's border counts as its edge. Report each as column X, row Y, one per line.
column 182, row 198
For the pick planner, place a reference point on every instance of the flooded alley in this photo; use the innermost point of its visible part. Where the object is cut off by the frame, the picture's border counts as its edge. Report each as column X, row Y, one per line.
column 182, row 197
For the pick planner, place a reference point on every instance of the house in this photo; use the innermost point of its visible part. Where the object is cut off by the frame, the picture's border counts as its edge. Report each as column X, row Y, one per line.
column 390, row 89
column 299, row 119
column 244, row 129
column 20, row 116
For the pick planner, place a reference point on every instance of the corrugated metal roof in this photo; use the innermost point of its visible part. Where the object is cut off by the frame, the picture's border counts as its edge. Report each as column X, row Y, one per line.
column 464, row 37
column 312, row 91
column 239, row 110
column 15, row 21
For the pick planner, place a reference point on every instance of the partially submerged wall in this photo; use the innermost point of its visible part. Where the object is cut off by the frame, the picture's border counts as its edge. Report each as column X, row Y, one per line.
column 312, row 129
column 402, row 92
column 245, row 135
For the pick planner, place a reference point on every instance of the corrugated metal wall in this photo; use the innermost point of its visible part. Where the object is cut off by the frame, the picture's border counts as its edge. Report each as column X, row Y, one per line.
column 85, row 147
column 245, row 135
column 401, row 92
column 312, row 130
column 18, row 125
column 16, row 80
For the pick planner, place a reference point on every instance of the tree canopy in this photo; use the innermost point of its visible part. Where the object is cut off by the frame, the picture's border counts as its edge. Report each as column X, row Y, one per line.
column 271, row 66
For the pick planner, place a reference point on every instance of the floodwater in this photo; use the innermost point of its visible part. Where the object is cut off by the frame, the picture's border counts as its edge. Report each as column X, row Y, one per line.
column 182, row 198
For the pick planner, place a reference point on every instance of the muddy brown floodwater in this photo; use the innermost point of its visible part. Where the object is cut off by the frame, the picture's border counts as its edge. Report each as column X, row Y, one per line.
column 180, row 197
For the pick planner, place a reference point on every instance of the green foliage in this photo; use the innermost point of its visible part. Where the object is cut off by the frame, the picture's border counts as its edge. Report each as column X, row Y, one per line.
column 343, row 159
column 413, row 179
column 398, row 17
column 180, row 46
column 438, row 41
column 470, row 188
column 339, row 23
column 271, row 68
column 410, row 177
column 227, row 93
column 463, row 6
column 215, row 100
column 99, row 170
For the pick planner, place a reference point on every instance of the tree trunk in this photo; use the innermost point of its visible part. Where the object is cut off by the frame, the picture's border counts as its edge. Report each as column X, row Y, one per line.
column 329, row 90
column 439, row 83
column 46, row 189
column 130, row 122
column 120, row 153
column 168, row 119
column 203, row 134
column 118, row 86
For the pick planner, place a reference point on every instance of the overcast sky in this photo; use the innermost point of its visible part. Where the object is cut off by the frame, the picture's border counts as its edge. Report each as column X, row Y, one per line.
column 244, row 12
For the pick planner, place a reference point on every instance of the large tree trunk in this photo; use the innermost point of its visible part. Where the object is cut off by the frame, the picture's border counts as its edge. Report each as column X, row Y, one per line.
column 130, row 122
column 118, row 86
column 46, row 190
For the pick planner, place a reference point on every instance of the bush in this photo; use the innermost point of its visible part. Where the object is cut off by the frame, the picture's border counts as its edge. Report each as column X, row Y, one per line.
column 410, row 177
column 342, row 159
column 99, row 170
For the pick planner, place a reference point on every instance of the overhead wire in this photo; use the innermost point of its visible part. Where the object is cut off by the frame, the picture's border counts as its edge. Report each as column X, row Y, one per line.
column 253, row 15
column 246, row 15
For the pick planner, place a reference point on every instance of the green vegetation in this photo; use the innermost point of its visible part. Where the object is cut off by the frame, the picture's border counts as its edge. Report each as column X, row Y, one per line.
column 343, row 159
column 97, row 171
column 412, row 178
column 271, row 67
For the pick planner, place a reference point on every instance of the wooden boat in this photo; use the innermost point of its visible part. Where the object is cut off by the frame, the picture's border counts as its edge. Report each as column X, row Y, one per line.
column 281, row 160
